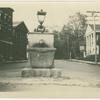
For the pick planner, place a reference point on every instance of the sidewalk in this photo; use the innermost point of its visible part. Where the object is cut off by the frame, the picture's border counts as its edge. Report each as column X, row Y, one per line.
column 83, row 61
column 16, row 61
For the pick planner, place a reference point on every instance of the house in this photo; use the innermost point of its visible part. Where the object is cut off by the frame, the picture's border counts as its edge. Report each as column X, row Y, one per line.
column 13, row 37
column 90, row 41
column 6, row 31
column 6, row 22
column 20, row 41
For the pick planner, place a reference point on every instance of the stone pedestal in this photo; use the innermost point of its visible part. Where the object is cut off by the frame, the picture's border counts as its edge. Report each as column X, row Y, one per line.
column 41, row 58
column 41, row 72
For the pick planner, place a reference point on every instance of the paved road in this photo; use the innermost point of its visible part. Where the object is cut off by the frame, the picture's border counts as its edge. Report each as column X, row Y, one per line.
column 69, row 69
column 79, row 70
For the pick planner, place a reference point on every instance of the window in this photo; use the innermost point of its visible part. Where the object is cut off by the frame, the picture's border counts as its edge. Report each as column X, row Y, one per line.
column 0, row 15
column 92, row 38
column 9, row 18
column 0, row 18
column 97, row 37
column 0, row 26
column 5, row 16
column 0, row 21
column 92, row 35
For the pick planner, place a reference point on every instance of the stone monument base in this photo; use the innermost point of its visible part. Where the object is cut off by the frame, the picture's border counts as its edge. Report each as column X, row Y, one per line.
column 41, row 72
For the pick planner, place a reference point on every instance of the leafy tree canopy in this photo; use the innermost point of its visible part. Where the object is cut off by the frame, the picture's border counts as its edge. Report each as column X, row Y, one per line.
column 76, row 24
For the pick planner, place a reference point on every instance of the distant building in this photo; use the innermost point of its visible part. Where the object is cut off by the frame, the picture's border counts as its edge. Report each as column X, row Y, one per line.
column 19, row 40
column 90, row 41
column 13, row 36
column 6, row 30
column 6, row 21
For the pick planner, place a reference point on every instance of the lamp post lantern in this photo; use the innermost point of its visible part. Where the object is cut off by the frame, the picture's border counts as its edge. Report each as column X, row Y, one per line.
column 41, row 17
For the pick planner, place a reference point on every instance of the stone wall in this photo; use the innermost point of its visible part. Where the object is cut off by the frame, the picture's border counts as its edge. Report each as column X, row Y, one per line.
column 34, row 38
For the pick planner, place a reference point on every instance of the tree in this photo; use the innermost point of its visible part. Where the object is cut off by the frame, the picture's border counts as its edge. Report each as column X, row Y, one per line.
column 77, row 24
column 76, row 27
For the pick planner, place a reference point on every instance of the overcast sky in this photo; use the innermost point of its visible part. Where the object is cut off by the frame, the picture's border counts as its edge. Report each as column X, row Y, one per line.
column 57, row 12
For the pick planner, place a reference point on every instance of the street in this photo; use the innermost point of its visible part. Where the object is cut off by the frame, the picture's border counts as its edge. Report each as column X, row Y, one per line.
column 69, row 68
column 79, row 70
column 78, row 80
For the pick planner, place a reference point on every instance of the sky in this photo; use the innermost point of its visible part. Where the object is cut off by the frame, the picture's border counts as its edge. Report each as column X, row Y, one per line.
column 57, row 12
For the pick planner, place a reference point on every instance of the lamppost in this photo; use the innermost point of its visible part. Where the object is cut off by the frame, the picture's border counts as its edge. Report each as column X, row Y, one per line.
column 41, row 48
column 41, row 17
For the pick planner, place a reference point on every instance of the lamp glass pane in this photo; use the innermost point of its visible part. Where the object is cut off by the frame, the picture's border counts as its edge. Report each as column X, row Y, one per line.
column 41, row 18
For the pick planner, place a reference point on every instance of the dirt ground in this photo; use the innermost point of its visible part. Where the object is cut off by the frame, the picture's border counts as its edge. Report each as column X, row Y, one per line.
column 48, row 88
column 72, row 84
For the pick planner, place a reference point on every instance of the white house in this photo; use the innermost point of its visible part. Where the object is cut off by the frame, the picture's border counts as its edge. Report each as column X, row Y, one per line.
column 90, row 40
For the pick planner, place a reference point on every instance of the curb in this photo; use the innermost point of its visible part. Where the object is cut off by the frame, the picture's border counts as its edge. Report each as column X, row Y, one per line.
column 93, row 64
column 87, row 62
column 17, row 61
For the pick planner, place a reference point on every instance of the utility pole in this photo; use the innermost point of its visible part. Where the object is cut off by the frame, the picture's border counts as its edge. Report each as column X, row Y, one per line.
column 94, row 26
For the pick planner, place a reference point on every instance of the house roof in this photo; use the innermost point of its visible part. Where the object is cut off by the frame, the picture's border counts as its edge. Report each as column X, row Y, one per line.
column 20, row 25
column 97, row 27
column 6, row 9
column 15, row 24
